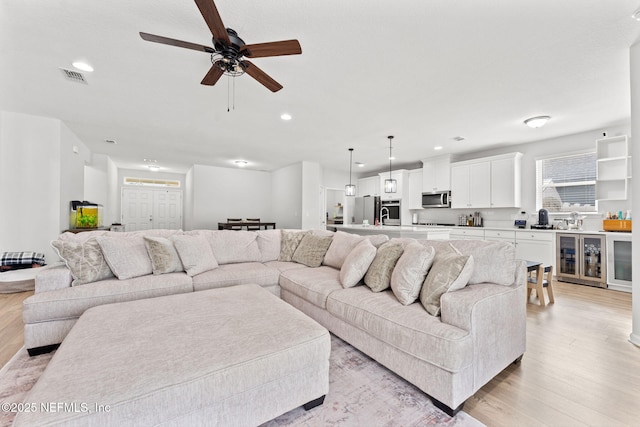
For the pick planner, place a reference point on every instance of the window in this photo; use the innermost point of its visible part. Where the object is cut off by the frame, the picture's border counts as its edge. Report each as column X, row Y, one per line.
column 567, row 183
column 146, row 182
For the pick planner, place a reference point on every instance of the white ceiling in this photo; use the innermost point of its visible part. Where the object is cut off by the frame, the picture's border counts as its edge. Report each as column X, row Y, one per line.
column 424, row 71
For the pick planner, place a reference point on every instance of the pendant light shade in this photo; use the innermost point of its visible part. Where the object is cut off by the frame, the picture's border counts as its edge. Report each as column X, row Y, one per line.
column 390, row 185
column 350, row 189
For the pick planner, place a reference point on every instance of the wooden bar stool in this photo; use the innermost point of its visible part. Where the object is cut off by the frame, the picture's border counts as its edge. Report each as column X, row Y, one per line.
column 540, row 282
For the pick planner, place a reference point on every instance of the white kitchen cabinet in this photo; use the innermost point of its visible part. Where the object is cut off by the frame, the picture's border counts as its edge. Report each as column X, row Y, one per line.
column 536, row 246
column 436, row 174
column 613, row 168
column 402, row 178
column 461, row 233
column 415, row 190
column 490, row 182
column 368, row 186
column 506, row 187
column 471, row 185
column 500, row 236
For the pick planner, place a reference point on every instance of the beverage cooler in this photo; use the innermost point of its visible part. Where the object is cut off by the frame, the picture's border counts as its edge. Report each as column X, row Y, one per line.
column 581, row 258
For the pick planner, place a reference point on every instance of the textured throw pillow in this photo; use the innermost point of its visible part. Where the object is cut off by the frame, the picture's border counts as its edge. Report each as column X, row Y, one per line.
column 311, row 250
column 378, row 277
column 127, row 256
column 410, row 272
column 341, row 246
column 164, row 257
column 494, row 261
column 357, row 263
column 289, row 243
column 84, row 260
column 448, row 273
column 195, row 253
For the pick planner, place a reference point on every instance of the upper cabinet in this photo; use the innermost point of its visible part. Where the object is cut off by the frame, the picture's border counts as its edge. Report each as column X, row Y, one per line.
column 436, row 174
column 402, row 178
column 368, row 186
column 490, row 182
column 613, row 168
column 415, row 189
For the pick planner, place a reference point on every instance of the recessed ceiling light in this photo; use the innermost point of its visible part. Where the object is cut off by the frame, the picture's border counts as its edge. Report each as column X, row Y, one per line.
column 83, row 66
column 153, row 168
column 392, row 158
column 537, row 122
column 285, row 116
column 359, row 164
column 241, row 163
column 439, row 147
column 150, row 161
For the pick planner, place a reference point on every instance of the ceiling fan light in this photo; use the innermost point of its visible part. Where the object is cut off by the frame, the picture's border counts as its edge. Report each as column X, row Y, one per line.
column 537, row 122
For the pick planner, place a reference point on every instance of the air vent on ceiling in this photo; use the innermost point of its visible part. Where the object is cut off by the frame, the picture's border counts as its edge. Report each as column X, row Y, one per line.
column 73, row 76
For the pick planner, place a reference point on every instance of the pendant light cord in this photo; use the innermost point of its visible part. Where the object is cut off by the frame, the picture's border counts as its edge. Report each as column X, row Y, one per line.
column 350, row 163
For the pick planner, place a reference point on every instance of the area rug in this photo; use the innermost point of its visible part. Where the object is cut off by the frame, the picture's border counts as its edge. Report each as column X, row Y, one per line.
column 361, row 393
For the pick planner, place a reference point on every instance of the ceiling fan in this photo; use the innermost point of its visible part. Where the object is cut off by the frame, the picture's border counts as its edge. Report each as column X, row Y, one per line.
column 229, row 50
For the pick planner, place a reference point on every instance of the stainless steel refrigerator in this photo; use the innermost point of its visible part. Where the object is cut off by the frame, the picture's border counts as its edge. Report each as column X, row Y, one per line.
column 367, row 207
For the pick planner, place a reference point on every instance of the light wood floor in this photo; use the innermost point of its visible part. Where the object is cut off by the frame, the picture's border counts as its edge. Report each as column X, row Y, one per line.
column 579, row 368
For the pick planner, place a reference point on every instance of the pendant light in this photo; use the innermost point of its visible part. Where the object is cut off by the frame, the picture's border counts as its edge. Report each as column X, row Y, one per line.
column 390, row 185
column 350, row 189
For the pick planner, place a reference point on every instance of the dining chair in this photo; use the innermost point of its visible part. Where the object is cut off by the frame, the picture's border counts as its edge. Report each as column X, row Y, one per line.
column 253, row 227
column 234, row 227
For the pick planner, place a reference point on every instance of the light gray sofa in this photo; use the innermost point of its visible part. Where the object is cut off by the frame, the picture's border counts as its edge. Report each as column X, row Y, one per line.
column 480, row 330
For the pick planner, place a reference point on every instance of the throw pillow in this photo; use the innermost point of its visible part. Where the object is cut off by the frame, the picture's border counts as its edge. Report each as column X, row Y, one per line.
column 448, row 273
column 341, row 246
column 163, row 254
column 357, row 263
column 494, row 261
column 84, row 260
column 378, row 277
column 289, row 244
column 195, row 253
column 127, row 256
column 410, row 272
column 312, row 249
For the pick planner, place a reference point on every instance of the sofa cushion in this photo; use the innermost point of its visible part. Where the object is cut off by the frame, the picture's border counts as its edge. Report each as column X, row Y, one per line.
column 341, row 245
column 357, row 263
column 284, row 265
column 231, row 246
column 127, row 256
column 378, row 277
column 312, row 284
column 407, row 328
column 70, row 303
column 448, row 273
column 410, row 271
column 195, row 253
column 494, row 262
column 269, row 244
column 236, row 274
column 312, row 249
column 378, row 240
column 163, row 254
column 289, row 243
column 84, row 259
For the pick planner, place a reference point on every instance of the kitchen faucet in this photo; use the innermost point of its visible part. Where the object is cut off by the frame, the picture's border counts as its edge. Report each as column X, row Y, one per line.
column 382, row 215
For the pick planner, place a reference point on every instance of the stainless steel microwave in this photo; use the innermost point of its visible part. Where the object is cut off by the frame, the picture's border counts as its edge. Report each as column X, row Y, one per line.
column 437, row 199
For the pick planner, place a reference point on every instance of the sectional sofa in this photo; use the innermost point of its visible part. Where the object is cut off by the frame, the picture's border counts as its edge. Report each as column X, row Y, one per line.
column 445, row 315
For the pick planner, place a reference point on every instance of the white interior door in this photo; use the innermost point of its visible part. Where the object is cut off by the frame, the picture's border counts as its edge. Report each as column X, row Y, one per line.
column 143, row 209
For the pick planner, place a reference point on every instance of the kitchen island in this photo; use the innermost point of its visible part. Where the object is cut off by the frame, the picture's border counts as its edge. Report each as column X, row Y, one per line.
column 417, row 232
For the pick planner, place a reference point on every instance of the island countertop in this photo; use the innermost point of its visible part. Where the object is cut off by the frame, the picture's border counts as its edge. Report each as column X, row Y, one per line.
column 420, row 232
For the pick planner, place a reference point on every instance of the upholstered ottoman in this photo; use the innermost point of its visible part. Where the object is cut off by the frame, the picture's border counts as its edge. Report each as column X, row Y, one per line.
column 232, row 357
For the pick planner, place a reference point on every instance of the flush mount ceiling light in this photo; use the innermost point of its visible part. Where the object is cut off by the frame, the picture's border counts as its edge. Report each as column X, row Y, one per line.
column 241, row 163
column 83, row 66
column 537, row 122
column 285, row 117
column 350, row 189
column 390, row 185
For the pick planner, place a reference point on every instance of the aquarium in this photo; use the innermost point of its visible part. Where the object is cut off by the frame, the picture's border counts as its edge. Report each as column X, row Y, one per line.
column 85, row 215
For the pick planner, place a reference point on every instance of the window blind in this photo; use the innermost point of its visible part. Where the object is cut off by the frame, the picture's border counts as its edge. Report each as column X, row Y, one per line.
column 567, row 183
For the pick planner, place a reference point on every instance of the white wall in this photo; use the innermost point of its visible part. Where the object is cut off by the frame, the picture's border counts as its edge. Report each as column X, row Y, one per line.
column 112, row 212
column 221, row 193
column 332, row 178
column 635, row 244
column 286, row 193
column 39, row 176
column 312, row 201
column 187, row 200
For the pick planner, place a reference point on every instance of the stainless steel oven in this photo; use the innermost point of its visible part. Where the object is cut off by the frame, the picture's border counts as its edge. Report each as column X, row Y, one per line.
column 390, row 212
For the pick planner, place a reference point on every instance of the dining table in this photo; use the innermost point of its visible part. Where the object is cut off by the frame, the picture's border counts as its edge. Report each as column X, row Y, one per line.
column 241, row 225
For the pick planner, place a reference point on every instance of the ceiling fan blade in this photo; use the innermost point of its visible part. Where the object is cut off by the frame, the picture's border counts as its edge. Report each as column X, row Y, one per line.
column 211, row 16
column 260, row 50
column 213, row 75
column 261, row 76
column 174, row 42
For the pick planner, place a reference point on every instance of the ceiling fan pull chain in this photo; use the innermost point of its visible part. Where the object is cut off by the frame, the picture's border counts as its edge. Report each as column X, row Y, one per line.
column 234, row 93
column 228, row 89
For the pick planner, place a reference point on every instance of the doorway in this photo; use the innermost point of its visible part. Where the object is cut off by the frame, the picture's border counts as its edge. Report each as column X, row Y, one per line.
column 334, row 206
column 144, row 209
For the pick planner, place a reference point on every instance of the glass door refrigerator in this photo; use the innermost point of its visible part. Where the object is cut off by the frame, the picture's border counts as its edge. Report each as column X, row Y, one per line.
column 581, row 258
